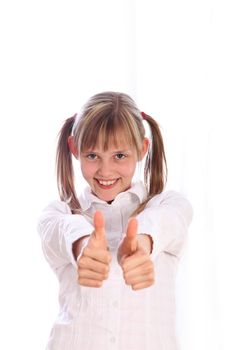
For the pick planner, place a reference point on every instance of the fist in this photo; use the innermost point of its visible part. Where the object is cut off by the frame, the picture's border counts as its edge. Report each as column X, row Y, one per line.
column 94, row 261
column 134, row 258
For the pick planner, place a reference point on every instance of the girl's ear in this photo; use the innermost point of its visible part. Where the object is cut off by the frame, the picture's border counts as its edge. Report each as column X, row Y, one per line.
column 72, row 146
column 145, row 147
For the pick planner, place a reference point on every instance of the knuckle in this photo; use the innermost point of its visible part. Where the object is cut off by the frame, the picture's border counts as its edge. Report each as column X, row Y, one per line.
column 81, row 262
column 127, row 280
column 80, row 281
column 86, row 251
column 152, row 280
column 124, row 267
column 150, row 268
column 105, row 276
column 98, row 278
column 97, row 284
column 106, row 269
column 107, row 257
column 80, row 272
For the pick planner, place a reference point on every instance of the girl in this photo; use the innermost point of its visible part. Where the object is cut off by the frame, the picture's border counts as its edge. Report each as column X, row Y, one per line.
column 115, row 248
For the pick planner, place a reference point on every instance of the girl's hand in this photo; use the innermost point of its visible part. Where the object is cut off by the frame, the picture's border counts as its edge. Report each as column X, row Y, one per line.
column 94, row 260
column 134, row 258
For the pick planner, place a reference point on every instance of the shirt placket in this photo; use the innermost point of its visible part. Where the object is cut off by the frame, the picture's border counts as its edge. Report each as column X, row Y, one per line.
column 115, row 227
column 114, row 304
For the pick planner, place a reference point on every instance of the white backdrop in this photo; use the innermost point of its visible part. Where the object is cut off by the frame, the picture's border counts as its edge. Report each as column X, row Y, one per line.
column 175, row 58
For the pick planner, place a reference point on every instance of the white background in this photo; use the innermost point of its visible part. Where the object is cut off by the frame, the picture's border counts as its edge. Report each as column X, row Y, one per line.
column 175, row 59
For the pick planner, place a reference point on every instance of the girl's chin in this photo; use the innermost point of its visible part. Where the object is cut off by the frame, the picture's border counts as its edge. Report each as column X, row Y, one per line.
column 107, row 198
column 104, row 196
column 108, row 194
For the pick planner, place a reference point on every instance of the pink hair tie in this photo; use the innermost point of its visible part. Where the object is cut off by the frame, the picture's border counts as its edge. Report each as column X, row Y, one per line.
column 143, row 115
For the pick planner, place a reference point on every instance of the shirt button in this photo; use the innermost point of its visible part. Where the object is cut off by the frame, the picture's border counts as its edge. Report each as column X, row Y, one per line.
column 112, row 339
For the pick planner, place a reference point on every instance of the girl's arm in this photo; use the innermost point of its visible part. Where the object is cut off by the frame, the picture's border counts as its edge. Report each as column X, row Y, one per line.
column 166, row 219
column 162, row 226
column 59, row 230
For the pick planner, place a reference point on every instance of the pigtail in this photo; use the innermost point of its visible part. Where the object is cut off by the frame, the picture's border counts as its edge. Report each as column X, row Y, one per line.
column 64, row 167
column 155, row 170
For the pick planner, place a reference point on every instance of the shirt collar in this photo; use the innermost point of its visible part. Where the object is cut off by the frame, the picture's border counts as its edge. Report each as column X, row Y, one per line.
column 137, row 190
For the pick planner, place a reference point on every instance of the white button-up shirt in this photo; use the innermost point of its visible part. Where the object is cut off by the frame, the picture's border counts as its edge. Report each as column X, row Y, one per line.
column 114, row 316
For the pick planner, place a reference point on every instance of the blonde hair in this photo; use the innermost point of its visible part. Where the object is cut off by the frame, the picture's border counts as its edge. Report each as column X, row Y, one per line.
column 107, row 114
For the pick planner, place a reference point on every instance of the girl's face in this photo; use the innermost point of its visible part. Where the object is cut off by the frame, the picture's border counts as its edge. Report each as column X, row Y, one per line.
column 110, row 172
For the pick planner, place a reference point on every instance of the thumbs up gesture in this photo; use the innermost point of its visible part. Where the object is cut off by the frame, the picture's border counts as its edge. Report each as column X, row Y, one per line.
column 134, row 258
column 94, row 260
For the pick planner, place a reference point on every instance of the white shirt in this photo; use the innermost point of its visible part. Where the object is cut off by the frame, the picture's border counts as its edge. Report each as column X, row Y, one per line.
column 114, row 317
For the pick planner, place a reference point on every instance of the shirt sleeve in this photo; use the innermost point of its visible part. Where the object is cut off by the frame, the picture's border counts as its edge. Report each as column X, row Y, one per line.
column 59, row 229
column 166, row 219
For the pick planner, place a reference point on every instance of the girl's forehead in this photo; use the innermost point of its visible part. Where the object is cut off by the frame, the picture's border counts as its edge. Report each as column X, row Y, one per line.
column 113, row 145
column 117, row 141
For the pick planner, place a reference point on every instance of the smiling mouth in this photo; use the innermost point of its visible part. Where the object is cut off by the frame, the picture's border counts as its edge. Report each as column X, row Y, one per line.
column 106, row 184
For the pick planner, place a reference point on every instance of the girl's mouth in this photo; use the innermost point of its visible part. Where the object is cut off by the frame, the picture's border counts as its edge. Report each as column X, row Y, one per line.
column 106, row 184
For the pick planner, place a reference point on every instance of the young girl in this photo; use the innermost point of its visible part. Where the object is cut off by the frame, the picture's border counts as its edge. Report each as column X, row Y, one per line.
column 115, row 248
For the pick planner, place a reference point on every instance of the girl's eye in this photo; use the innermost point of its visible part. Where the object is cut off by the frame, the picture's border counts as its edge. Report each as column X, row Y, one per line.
column 91, row 156
column 120, row 156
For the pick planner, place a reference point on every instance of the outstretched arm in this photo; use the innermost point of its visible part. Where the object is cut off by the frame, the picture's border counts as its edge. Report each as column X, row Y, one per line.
column 59, row 229
column 166, row 219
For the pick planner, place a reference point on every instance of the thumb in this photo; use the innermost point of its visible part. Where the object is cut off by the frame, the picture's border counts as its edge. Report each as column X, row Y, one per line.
column 99, row 232
column 131, row 234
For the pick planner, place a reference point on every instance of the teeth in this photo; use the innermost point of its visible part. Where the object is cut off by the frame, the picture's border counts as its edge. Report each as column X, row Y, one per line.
column 107, row 183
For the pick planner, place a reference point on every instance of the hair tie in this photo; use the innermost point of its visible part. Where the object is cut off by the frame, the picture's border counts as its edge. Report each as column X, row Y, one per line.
column 143, row 115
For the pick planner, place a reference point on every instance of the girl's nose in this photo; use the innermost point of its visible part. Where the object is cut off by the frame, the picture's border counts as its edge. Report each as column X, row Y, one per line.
column 105, row 170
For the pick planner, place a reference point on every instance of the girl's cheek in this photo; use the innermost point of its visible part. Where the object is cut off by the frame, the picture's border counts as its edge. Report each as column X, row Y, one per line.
column 90, row 170
column 86, row 170
column 129, row 168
